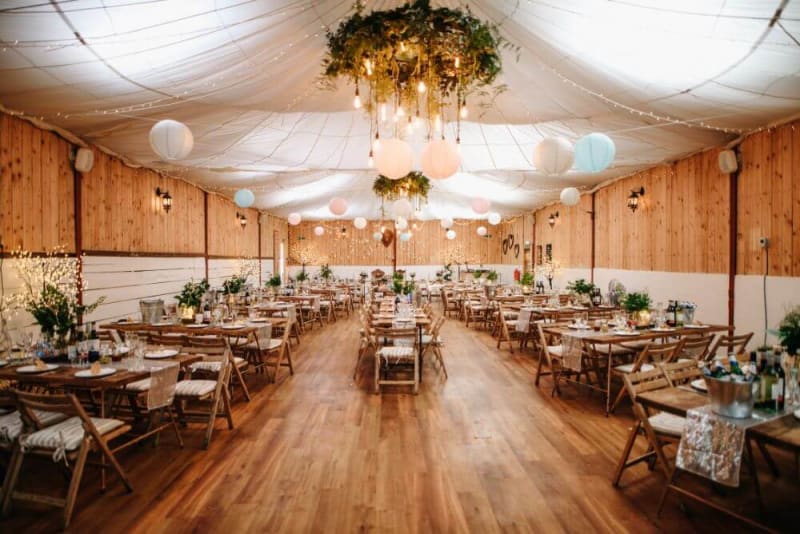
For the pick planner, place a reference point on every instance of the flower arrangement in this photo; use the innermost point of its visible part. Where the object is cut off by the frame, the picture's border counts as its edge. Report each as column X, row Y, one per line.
column 302, row 276
column 446, row 273
column 233, row 285
column 636, row 301
column 526, row 279
column 325, row 272
column 789, row 330
column 412, row 185
column 275, row 281
column 492, row 276
column 191, row 296
column 580, row 287
column 50, row 286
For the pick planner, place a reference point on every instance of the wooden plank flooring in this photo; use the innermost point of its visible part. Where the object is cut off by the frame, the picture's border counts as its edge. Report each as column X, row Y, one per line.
column 484, row 451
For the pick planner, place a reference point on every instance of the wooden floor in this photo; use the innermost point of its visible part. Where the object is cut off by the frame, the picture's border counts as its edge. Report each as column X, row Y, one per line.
column 484, row 451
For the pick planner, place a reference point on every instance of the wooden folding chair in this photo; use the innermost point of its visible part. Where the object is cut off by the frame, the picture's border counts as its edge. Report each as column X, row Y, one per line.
column 735, row 344
column 216, row 346
column 696, row 348
column 648, row 358
column 658, row 428
column 211, row 393
column 432, row 342
column 168, row 340
column 273, row 352
column 549, row 353
column 70, row 440
column 681, row 372
column 403, row 351
column 507, row 330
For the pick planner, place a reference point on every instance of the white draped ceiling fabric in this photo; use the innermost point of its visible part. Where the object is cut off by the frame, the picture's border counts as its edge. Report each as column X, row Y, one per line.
column 662, row 79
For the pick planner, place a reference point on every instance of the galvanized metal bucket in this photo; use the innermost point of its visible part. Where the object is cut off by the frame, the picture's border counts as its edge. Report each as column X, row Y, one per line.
column 152, row 310
column 731, row 399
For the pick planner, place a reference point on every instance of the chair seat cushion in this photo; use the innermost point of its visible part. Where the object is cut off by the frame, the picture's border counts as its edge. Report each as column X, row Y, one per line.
column 396, row 352
column 139, row 385
column 555, row 350
column 427, row 338
column 67, row 434
column 272, row 345
column 214, row 366
column 194, row 388
column 11, row 424
column 667, row 423
column 628, row 368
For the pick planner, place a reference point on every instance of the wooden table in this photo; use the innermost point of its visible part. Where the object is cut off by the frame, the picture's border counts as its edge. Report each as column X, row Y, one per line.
column 783, row 432
column 610, row 339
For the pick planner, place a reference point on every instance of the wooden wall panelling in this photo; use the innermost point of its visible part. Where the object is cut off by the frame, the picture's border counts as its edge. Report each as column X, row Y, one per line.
column 570, row 237
column 226, row 237
column 122, row 214
column 36, row 187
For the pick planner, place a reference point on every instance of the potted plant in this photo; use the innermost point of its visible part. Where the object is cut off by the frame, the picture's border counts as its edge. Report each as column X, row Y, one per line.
column 492, row 276
column 191, row 297
column 302, row 277
column 637, row 303
column 398, row 283
column 447, row 273
column 233, row 285
column 526, row 281
column 275, row 282
column 582, row 289
column 789, row 330
column 325, row 272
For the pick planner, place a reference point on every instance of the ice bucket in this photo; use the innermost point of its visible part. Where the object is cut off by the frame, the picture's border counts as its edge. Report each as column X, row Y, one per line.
column 731, row 399
column 152, row 310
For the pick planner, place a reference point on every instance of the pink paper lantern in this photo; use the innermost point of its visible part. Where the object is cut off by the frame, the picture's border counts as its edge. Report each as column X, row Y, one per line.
column 481, row 205
column 338, row 206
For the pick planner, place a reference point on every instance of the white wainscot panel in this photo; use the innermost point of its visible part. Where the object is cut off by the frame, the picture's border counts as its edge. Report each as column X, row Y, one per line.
column 783, row 293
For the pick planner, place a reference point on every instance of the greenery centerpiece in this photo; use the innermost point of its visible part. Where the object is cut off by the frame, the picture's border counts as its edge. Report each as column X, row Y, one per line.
column 233, row 285
column 50, row 289
column 445, row 273
column 526, row 280
column 191, row 297
column 638, row 303
column 582, row 289
column 492, row 276
column 275, row 282
column 325, row 272
column 302, row 276
column 789, row 330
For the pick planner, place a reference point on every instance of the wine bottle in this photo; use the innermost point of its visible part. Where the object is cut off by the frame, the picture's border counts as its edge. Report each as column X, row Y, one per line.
column 94, row 343
column 206, row 312
column 735, row 369
column 780, row 386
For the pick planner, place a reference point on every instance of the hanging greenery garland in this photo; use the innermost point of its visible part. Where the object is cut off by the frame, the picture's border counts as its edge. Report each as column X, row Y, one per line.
column 414, row 184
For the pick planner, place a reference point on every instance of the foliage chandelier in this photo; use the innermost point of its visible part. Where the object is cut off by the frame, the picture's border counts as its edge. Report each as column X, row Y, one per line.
column 417, row 63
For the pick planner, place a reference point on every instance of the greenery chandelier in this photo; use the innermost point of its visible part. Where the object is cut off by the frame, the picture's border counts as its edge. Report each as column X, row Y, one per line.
column 418, row 65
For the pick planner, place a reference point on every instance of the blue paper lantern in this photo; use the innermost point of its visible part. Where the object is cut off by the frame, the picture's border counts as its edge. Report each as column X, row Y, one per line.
column 244, row 198
column 594, row 152
column 405, row 236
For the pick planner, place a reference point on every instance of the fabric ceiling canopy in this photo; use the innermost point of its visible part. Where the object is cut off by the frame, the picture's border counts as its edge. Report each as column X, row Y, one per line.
column 662, row 79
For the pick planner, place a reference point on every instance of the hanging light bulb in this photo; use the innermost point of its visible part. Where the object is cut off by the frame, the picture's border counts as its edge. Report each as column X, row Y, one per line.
column 357, row 100
column 421, row 87
column 437, row 123
column 402, row 46
column 464, row 113
column 383, row 111
column 400, row 111
column 410, row 126
column 458, row 62
column 417, row 121
column 368, row 65
column 371, row 159
column 376, row 145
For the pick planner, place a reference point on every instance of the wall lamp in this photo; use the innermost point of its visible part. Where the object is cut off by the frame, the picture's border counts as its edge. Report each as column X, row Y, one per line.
column 242, row 219
column 551, row 220
column 166, row 199
column 633, row 199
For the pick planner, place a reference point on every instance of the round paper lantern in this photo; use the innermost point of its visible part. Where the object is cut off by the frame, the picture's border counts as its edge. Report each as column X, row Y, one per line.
column 318, row 230
column 405, row 236
column 481, row 205
column 450, row 234
column 337, row 206
column 394, row 158
column 440, row 159
column 401, row 223
column 402, row 208
column 482, row 231
column 171, row 140
column 494, row 218
column 294, row 219
column 553, row 155
column 594, row 152
column 244, row 198
column 360, row 223
column 377, row 236
column 570, row 196
column 446, row 223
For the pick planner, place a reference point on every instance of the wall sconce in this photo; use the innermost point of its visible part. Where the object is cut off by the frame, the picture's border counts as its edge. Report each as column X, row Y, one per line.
column 551, row 220
column 242, row 219
column 166, row 199
column 633, row 199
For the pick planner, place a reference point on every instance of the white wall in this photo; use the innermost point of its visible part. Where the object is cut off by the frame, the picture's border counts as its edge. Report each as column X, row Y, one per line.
column 565, row 276
column 708, row 291
column 783, row 292
column 423, row 272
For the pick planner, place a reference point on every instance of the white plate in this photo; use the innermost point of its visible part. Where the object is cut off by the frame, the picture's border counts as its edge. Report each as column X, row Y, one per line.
column 165, row 323
column 576, row 327
column 695, row 326
column 32, row 369
column 104, row 371
column 625, row 333
column 699, row 384
column 259, row 320
column 233, row 326
column 797, row 414
column 159, row 354
column 662, row 329
column 196, row 325
column 3, row 363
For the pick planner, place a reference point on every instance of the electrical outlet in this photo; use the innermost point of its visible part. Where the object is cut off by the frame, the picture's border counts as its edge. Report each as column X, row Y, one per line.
column 763, row 242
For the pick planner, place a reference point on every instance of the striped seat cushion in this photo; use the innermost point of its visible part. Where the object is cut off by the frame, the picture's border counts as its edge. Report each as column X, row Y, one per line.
column 427, row 338
column 555, row 350
column 667, row 423
column 139, row 385
column 272, row 345
column 628, row 368
column 194, row 388
column 67, row 434
column 214, row 366
column 396, row 352
column 11, row 424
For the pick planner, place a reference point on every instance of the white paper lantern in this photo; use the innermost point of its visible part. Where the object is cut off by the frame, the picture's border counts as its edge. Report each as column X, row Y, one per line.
column 494, row 218
column 481, row 205
column 570, row 196
column 394, row 158
column 318, row 231
column 482, row 231
column 440, row 159
column 244, row 198
column 446, row 223
column 377, row 236
column 553, row 155
column 450, row 234
column 360, row 223
column 171, row 140
column 337, row 206
column 294, row 219
column 401, row 223
column 405, row 236
column 402, row 208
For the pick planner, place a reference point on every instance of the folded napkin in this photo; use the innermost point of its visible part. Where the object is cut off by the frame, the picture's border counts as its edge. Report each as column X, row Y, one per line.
column 711, row 446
